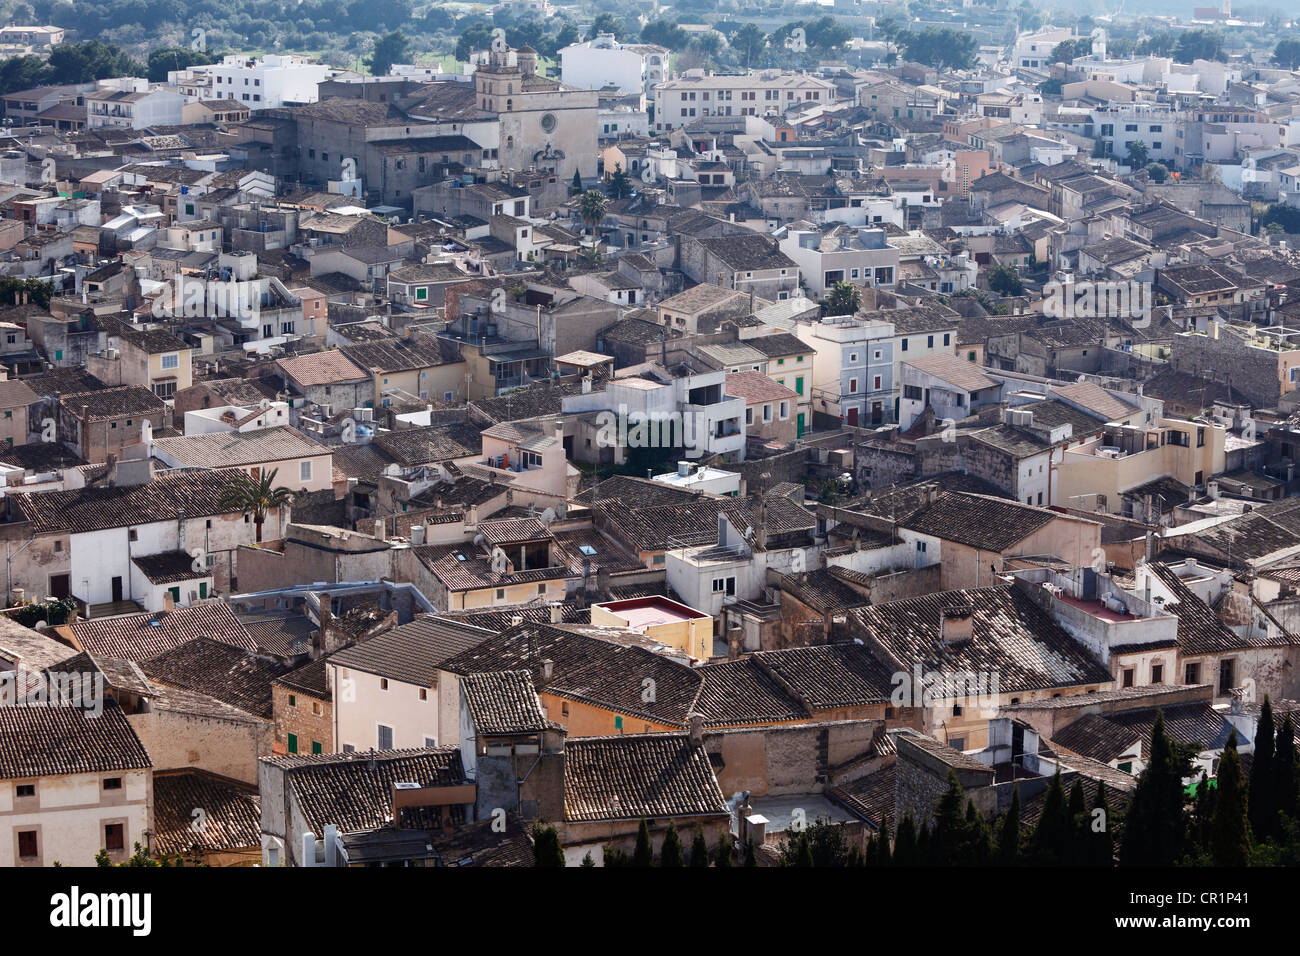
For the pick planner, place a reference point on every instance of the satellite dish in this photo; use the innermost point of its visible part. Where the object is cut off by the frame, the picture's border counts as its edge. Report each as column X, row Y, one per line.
column 548, row 516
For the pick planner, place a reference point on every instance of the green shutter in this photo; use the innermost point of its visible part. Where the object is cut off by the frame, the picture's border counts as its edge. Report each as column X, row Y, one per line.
column 618, row 723
column 176, row 594
column 315, row 747
column 203, row 589
column 798, row 385
column 293, row 743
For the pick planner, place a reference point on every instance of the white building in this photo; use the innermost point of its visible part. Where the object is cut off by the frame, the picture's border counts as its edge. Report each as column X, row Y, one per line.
column 270, row 82
column 603, row 62
column 754, row 93
column 1033, row 51
column 130, row 103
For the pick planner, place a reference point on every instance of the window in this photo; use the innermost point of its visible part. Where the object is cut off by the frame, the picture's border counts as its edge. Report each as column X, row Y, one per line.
column 1157, row 673
column 112, row 783
column 304, row 471
column 171, row 361
column 1192, row 673
column 132, row 535
column 385, row 737
column 956, row 710
column 785, row 410
column 316, row 747
column 383, row 683
column 430, row 743
column 904, row 345
column 1128, row 677
column 316, row 708
column 957, row 743
column 27, row 848
column 25, row 790
column 115, row 836
column 424, row 693
column 293, row 700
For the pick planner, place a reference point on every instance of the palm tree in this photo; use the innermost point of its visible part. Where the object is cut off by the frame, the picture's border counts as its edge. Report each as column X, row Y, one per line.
column 592, row 208
column 258, row 495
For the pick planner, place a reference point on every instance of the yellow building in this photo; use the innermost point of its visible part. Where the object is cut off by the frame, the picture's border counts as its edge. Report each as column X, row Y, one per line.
column 673, row 624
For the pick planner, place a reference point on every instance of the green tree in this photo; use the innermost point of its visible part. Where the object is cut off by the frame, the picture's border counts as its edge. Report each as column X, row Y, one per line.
column 592, row 209
column 949, row 824
column 477, row 36
column 547, row 851
column 391, row 48
column 1004, row 280
column 164, row 60
column 905, row 849
column 257, row 496
column 1160, row 44
column 1284, row 769
column 843, row 299
column 699, row 848
column 882, row 842
column 1158, row 172
column 642, row 853
column 1230, row 829
column 619, row 183
column 576, row 186
column 799, row 853
column 1138, row 155
column 942, row 47
column 1263, row 812
column 751, row 858
column 587, row 861
column 1287, row 53
column 1050, row 844
column 1155, row 828
column 724, row 855
column 748, row 44
column 607, row 23
column 1199, row 45
column 1009, row 834
column 665, row 33
column 670, row 853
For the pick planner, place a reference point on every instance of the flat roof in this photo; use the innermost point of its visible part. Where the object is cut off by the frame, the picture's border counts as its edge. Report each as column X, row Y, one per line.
column 642, row 613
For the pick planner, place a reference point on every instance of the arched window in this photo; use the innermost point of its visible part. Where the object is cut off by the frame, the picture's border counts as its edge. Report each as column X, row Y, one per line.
column 510, row 142
column 510, row 104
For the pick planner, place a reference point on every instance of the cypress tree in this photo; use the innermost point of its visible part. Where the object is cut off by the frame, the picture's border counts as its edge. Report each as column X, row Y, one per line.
column 699, row 848
column 725, row 850
column 978, row 850
column 883, row 854
column 751, row 859
column 577, row 181
column 1284, row 769
column 869, row 858
column 643, row 855
column 925, row 845
column 1009, row 837
column 1050, row 843
column 1078, row 813
column 803, row 855
column 546, row 847
column 587, row 861
column 1230, row 829
column 1155, row 829
column 905, row 843
column 949, row 826
column 1263, row 812
column 670, row 854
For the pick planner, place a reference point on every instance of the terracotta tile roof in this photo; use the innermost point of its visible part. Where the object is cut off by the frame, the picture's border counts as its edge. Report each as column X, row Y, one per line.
column 741, row 692
column 1097, row 400
column 139, row 637
column 1011, row 637
column 822, row 590
column 240, row 449
column 411, row 653
column 322, row 368
column 948, row 368
column 978, row 521
column 233, row 676
column 756, row 387
column 231, row 817
column 589, row 669
column 439, row 442
column 513, row 531
column 311, row 679
column 51, row 741
column 169, row 567
column 347, row 791
column 197, row 494
column 654, row 776
column 503, row 703
column 117, row 402
column 829, row 675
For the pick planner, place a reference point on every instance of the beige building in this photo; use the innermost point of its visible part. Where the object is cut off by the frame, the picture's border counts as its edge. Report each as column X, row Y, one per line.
column 72, row 782
column 1099, row 472
column 300, row 463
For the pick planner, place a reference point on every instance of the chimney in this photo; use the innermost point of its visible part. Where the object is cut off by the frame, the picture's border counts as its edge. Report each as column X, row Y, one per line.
column 557, row 614
column 169, row 604
column 379, row 529
column 956, row 624
column 548, row 669
column 697, row 730
column 559, row 432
